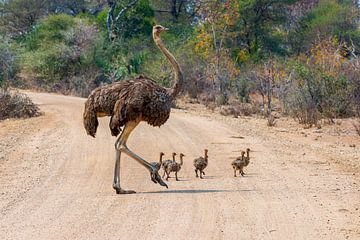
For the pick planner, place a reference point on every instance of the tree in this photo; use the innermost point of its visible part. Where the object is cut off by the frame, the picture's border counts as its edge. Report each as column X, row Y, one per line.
column 176, row 9
column 116, row 13
column 74, row 7
column 261, row 25
column 18, row 16
column 327, row 19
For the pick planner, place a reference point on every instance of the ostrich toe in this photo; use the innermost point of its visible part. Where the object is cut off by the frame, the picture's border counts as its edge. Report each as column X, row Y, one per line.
column 155, row 177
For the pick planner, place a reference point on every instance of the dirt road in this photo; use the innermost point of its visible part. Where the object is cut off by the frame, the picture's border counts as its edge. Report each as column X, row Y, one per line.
column 56, row 182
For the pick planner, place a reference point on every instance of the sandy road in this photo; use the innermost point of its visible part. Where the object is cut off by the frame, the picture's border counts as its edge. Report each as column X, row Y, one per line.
column 56, row 182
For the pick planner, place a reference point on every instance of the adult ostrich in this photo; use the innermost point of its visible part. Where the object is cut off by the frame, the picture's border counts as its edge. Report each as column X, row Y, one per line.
column 130, row 102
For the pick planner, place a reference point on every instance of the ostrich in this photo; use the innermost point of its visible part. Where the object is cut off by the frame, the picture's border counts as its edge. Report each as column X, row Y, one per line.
column 157, row 165
column 200, row 164
column 173, row 166
column 238, row 164
column 130, row 102
column 246, row 160
column 167, row 162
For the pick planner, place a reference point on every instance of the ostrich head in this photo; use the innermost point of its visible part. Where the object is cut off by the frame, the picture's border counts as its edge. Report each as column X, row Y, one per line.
column 248, row 150
column 181, row 158
column 173, row 156
column 242, row 153
column 162, row 154
column 157, row 29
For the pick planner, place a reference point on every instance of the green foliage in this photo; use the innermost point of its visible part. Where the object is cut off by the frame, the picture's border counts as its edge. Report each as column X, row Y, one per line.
column 315, row 94
column 137, row 22
column 18, row 16
column 9, row 65
column 224, row 48
column 261, row 26
column 51, row 30
column 329, row 18
column 59, row 48
column 244, row 87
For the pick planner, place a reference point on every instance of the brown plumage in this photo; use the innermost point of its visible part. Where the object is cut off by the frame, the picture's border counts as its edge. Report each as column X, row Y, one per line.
column 130, row 102
column 173, row 166
column 238, row 164
column 246, row 161
column 200, row 164
column 166, row 163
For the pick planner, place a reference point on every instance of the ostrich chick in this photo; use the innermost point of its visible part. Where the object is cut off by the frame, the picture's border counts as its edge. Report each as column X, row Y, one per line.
column 200, row 164
column 166, row 163
column 238, row 164
column 174, row 167
column 246, row 160
column 157, row 165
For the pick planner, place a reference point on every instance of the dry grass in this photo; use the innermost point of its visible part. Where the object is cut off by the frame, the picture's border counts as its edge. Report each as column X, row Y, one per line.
column 14, row 104
column 239, row 109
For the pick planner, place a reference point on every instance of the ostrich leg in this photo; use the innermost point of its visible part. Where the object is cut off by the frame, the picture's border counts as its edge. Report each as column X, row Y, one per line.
column 116, row 183
column 120, row 146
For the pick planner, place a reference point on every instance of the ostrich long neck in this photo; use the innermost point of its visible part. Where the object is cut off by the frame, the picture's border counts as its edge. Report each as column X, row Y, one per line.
column 160, row 161
column 177, row 70
column 173, row 158
column 181, row 160
column 206, row 157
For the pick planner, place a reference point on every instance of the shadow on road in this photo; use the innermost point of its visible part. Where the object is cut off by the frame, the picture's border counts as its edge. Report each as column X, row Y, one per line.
column 198, row 191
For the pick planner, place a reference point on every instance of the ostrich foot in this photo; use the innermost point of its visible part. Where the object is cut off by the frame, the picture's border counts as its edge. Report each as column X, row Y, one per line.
column 155, row 177
column 119, row 190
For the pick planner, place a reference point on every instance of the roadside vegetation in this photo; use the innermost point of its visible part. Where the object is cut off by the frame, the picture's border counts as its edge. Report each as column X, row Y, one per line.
column 296, row 57
column 14, row 104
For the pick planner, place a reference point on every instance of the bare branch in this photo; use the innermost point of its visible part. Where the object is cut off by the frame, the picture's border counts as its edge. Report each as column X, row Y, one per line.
column 127, row 7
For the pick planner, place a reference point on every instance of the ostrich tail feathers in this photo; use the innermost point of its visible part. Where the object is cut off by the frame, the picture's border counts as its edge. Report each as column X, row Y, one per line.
column 90, row 120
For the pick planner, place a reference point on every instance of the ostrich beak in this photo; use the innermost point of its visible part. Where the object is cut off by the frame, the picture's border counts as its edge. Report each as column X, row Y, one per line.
column 166, row 29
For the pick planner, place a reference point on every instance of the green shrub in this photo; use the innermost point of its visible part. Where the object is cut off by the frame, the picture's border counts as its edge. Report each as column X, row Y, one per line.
column 329, row 18
column 314, row 94
column 9, row 65
column 59, row 49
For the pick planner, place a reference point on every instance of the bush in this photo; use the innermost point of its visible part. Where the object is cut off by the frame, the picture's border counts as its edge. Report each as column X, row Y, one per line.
column 271, row 120
column 16, row 105
column 59, row 50
column 238, row 109
column 8, row 61
column 320, row 84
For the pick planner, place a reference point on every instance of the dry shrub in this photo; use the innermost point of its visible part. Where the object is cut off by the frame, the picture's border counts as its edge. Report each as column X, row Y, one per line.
column 240, row 109
column 16, row 105
column 271, row 120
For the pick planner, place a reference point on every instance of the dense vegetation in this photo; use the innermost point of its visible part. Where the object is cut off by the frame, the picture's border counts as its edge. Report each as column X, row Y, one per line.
column 301, row 53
